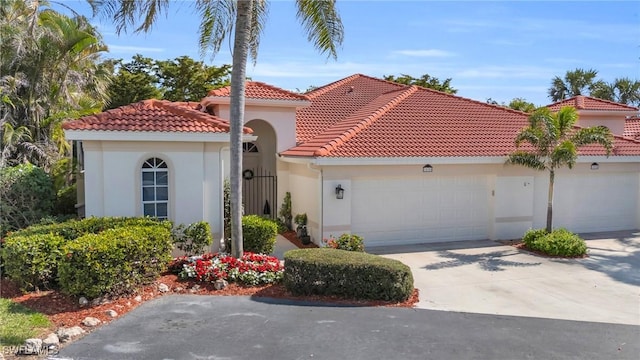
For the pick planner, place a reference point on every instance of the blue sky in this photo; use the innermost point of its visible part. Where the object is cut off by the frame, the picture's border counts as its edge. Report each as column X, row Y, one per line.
column 497, row 50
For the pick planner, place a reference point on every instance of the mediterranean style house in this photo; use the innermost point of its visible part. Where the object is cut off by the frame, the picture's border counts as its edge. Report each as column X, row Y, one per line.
column 393, row 163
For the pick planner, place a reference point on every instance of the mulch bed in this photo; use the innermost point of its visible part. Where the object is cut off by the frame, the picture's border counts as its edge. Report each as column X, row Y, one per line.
column 293, row 238
column 518, row 244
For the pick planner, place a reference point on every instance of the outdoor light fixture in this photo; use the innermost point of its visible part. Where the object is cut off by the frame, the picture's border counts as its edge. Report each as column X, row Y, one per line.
column 595, row 166
column 339, row 192
column 427, row 168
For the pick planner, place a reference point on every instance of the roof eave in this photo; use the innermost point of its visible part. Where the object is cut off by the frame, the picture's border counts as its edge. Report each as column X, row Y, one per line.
column 297, row 104
column 168, row 136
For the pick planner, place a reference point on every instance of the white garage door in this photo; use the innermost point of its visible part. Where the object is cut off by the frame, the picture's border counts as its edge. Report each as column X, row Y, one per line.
column 597, row 202
column 389, row 211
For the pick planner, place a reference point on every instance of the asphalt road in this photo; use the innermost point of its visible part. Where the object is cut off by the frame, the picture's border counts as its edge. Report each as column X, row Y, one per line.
column 218, row 327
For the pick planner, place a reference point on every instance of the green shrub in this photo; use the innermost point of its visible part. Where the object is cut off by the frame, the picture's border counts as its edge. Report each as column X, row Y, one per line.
column 349, row 274
column 532, row 235
column 560, row 242
column 194, row 238
column 349, row 242
column 32, row 261
column 27, row 196
column 66, row 199
column 285, row 211
column 258, row 234
column 116, row 261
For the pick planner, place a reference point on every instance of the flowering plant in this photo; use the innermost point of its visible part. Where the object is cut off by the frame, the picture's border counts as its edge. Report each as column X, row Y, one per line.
column 251, row 269
column 349, row 242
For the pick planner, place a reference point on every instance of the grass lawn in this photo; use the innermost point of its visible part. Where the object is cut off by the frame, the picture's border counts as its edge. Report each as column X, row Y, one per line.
column 17, row 323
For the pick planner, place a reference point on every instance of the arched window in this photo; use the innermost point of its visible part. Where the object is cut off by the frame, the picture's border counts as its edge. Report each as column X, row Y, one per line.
column 155, row 188
column 249, row 147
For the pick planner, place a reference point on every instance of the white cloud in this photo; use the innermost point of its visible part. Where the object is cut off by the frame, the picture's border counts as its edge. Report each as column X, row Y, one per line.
column 133, row 49
column 424, row 53
column 528, row 72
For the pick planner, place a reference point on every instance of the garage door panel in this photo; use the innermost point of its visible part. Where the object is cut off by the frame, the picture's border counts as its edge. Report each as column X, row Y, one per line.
column 599, row 202
column 419, row 210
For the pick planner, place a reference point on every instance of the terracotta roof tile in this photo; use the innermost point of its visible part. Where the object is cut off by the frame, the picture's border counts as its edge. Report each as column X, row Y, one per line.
column 590, row 103
column 259, row 90
column 632, row 128
column 153, row 115
column 362, row 116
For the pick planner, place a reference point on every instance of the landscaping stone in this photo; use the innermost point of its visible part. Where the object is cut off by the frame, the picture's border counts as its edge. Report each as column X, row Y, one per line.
column 111, row 313
column 179, row 289
column 220, row 284
column 163, row 288
column 66, row 334
column 83, row 301
column 194, row 288
column 30, row 347
column 90, row 321
column 138, row 298
column 51, row 340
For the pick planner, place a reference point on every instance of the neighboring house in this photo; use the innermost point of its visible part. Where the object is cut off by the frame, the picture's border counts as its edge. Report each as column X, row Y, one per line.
column 414, row 165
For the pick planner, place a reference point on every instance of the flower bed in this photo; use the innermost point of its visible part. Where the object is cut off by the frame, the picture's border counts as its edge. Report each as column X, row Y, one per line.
column 251, row 269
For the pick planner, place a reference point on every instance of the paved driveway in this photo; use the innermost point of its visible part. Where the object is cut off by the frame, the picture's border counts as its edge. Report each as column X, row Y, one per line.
column 490, row 278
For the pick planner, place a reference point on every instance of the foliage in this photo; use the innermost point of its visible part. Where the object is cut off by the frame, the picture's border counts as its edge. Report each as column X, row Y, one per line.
column 50, row 70
column 583, row 82
column 251, row 269
column 532, row 235
column 285, row 210
column 425, row 80
column 349, row 274
column 66, row 199
column 621, row 90
column 180, row 79
column 555, row 143
column 576, row 82
column 193, row 238
column 32, row 261
column 19, row 323
column 259, row 234
column 300, row 219
column 348, row 242
column 115, row 261
column 559, row 242
column 27, row 196
column 517, row 103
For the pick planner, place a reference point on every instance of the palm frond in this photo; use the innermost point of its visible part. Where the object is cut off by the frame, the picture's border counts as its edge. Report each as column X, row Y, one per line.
column 565, row 118
column 530, row 160
column 322, row 23
column 258, row 20
column 564, row 153
column 594, row 135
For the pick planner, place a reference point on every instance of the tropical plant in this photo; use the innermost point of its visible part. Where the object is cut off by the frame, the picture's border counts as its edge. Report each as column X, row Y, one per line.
column 246, row 18
column 50, row 70
column 554, row 143
column 425, row 80
column 621, row 90
column 576, row 82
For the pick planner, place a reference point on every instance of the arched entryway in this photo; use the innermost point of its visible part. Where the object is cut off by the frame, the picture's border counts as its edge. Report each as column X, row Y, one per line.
column 259, row 171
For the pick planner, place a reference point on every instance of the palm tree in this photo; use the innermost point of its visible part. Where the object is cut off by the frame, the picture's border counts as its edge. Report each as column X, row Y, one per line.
column 621, row 90
column 555, row 142
column 576, row 82
column 246, row 19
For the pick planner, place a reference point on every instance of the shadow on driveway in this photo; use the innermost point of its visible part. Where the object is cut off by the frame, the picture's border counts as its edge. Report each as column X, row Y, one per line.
column 492, row 261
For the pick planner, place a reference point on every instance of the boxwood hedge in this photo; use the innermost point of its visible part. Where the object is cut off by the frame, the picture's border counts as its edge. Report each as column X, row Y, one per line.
column 325, row 271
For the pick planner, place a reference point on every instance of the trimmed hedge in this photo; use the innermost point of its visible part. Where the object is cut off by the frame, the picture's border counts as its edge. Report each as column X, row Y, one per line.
column 349, row 274
column 560, row 242
column 258, row 234
column 115, row 261
column 32, row 261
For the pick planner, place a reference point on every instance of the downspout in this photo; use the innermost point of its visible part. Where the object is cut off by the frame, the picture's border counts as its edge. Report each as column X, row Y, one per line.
column 221, row 242
column 320, row 205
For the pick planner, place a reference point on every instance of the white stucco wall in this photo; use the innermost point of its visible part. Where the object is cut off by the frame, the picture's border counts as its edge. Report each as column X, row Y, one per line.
column 113, row 180
column 304, row 185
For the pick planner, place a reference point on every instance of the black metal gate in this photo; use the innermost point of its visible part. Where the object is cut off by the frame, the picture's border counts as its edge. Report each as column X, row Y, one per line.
column 259, row 189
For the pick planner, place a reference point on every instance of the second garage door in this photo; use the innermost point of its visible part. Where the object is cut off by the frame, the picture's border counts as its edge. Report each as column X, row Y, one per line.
column 392, row 211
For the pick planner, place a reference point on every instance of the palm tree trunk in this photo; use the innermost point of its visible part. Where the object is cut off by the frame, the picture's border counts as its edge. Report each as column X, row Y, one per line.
column 552, row 176
column 238, row 76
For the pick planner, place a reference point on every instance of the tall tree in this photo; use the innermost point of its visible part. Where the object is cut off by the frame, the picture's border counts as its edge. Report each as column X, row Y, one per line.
column 133, row 81
column 50, row 68
column 246, row 19
column 521, row 104
column 576, row 82
column 425, row 80
column 621, row 90
column 554, row 143
column 185, row 79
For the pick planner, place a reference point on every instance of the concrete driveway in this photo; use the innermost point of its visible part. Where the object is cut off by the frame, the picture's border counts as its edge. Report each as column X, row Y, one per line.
column 491, row 278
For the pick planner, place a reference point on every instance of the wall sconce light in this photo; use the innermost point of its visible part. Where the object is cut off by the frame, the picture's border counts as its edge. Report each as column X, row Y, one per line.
column 595, row 166
column 427, row 168
column 339, row 192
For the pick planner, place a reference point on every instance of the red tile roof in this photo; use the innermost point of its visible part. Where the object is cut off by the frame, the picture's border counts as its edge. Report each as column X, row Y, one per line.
column 361, row 116
column 259, row 90
column 590, row 103
column 153, row 115
column 632, row 128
